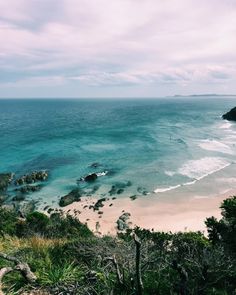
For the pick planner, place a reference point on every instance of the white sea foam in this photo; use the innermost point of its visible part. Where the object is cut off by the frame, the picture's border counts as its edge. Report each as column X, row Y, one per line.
column 165, row 189
column 170, row 188
column 216, row 146
column 102, row 173
column 170, row 173
column 225, row 125
column 190, row 182
column 198, row 169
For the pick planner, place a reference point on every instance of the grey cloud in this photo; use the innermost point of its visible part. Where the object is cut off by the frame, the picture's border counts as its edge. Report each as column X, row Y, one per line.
column 115, row 43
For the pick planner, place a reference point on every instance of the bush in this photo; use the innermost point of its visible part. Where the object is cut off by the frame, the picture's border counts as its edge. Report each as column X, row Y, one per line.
column 37, row 222
column 67, row 257
column 224, row 230
column 67, row 226
column 8, row 222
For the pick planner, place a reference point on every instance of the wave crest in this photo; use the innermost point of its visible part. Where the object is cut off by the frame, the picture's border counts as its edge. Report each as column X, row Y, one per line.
column 215, row 146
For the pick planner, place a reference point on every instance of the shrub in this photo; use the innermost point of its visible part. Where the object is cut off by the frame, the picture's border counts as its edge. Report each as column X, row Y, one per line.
column 8, row 221
column 37, row 222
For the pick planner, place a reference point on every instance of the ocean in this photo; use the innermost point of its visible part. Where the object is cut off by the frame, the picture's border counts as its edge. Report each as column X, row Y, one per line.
column 157, row 147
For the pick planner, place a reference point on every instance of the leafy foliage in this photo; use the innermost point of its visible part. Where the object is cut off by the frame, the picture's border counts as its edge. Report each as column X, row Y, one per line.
column 68, row 259
column 224, row 230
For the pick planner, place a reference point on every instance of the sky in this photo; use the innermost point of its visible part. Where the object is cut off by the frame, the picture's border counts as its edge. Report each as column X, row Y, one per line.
column 117, row 48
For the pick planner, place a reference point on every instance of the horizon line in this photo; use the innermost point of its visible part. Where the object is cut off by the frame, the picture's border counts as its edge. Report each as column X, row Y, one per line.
column 121, row 97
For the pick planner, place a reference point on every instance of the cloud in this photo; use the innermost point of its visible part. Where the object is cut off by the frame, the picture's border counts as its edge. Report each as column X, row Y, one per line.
column 122, row 42
column 169, row 76
column 51, row 81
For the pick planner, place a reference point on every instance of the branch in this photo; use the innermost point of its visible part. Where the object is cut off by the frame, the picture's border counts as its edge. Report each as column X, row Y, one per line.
column 23, row 268
column 26, row 272
column 9, row 258
column 183, row 277
column 3, row 272
column 118, row 274
column 138, row 265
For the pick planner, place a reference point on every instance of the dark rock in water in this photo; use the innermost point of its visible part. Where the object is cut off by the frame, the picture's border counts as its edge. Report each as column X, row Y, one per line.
column 29, row 189
column 32, row 177
column 113, row 190
column 120, row 191
column 122, row 222
column 18, row 198
column 181, row 141
column 231, row 115
column 119, row 187
column 134, row 197
column 5, row 180
column 95, row 165
column 92, row 190
column 95, row 188
column 142, row 190
column 91, row 177
column 73, row 196
column 128, row 183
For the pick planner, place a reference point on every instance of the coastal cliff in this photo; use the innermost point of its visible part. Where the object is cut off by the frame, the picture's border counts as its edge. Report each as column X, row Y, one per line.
column 231, row 115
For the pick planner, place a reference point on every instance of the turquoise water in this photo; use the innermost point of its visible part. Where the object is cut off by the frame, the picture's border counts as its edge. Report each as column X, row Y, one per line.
column 156, row 144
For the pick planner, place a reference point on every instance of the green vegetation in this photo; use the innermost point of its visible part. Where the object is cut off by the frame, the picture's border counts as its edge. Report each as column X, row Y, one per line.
column 67, row 258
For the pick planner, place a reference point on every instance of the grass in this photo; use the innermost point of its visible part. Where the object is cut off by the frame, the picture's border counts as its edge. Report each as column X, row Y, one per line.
column 56, row 274
column 65, row 256
column 10, row 243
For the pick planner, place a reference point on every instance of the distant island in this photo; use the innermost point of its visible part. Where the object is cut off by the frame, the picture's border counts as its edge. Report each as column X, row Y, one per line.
column 202, row 95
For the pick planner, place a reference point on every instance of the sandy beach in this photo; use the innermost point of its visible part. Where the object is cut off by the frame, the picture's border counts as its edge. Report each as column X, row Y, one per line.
column 151, row 212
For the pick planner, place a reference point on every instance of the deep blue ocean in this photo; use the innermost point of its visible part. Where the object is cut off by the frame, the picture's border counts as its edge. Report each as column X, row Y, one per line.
column 157, row 145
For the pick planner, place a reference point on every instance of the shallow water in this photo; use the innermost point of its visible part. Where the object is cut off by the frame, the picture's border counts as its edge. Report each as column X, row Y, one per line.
column 160, row 145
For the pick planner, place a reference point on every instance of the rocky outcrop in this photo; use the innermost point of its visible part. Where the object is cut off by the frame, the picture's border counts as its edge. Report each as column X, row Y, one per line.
column 119, row 188
column 122, row 222
column 142, row 190
column 231, row 115
column 5, row 180
column 26, row 208
column 91, row 177
column 32, row 177
column 74, row 196
column 99, row 204
column 18, row 198
column 29, row 189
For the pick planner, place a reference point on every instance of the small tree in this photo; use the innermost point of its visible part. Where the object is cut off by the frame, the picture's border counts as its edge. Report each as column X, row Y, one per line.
column 224, row 230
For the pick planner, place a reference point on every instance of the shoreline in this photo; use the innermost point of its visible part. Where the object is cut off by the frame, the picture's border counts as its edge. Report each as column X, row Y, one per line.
column 150, row 212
